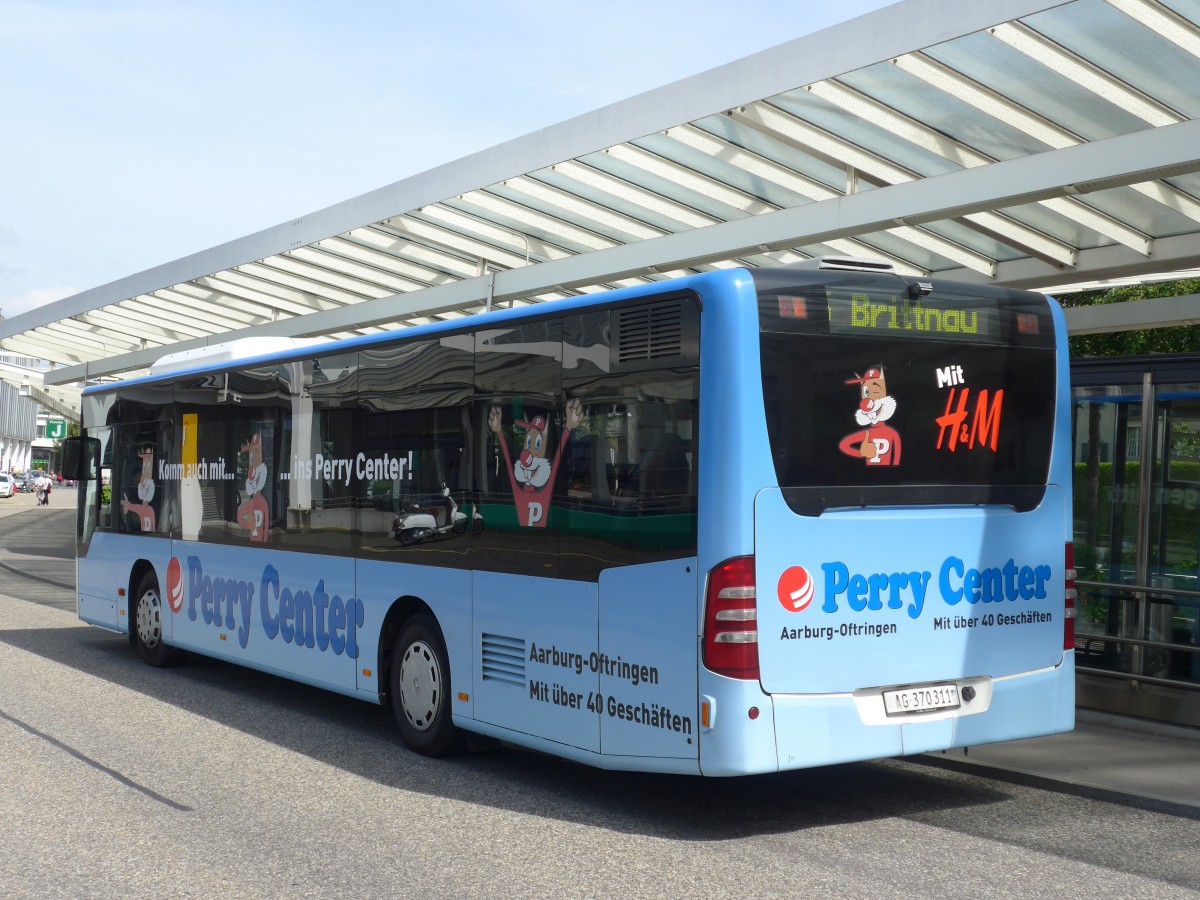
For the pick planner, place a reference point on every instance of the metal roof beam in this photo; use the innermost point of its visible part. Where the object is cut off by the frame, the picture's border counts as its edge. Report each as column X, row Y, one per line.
column 1164, row 22
column 27, row 343
column 443, row 265
column 110, row 317
column 636, row 195
column 316, row 279
column 349, row 260
column 1114, row 262
column 249, row 287
column 292, row 291
column 196, row 299
column 509, row 255
column 1132, row 315
column 159, row 311
column 535, row 220
column 109, row 338
column 69, row 345
column 471, row 226
column 207, row 295
column 379, row 244
column 583, row 212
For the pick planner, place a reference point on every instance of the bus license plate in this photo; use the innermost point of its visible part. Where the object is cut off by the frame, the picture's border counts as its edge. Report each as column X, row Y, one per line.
column 921, row 699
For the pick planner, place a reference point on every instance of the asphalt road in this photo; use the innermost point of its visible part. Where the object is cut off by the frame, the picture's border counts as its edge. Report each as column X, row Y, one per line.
column 209, row 780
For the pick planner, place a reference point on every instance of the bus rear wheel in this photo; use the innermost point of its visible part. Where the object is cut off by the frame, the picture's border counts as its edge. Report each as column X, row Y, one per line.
column 420, row 688
column 148, row 624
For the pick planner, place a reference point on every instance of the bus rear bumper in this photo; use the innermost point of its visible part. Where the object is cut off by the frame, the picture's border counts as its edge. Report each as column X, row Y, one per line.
column 826, row 729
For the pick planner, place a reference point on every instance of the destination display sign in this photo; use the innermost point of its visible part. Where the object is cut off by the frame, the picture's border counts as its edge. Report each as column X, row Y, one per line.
column 899, row 315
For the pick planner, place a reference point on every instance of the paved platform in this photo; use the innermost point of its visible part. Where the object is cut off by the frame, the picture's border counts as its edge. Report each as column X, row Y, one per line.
column 1117, row 758
column 1125, row 760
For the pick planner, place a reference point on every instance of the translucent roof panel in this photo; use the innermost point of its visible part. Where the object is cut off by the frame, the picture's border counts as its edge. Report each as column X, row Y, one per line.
column 804, row 166
column 1027, row 143
column 872, row 135
column 1130, row 50
column 1036, row 86
column 959, row 120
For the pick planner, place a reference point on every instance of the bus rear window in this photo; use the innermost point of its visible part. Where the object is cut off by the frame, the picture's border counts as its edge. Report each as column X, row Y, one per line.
column 881, row 394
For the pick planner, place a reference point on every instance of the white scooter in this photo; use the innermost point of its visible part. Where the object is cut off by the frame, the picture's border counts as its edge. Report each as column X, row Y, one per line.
column 418, row 523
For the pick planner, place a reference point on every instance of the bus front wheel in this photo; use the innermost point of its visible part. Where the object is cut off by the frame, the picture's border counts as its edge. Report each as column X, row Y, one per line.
column 420, row 688
column 148, row 624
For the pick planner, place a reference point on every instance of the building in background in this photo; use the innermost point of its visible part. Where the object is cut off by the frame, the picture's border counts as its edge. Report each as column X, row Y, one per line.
column 33, row 417
column 18, row 428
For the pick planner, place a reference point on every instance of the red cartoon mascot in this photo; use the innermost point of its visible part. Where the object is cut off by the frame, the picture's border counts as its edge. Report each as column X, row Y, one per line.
column 145, row 491
column 877, row 442
column 532, row 475
column 253, row 515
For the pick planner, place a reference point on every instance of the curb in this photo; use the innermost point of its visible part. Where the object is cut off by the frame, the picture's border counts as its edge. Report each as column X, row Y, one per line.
column 1071, row 788
column 30, row 575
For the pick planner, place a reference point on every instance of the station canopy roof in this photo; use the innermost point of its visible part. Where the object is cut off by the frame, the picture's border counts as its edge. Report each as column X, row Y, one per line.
column 1013, row 142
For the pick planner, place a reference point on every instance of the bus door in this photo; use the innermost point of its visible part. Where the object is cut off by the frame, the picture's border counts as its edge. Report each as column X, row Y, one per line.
column 98, row 568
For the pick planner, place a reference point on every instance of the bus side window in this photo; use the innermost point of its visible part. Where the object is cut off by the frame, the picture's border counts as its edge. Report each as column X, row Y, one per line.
column 141, row 496
column 664, row 465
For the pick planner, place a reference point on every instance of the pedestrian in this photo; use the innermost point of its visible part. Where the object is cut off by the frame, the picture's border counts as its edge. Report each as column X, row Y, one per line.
column 43, row 489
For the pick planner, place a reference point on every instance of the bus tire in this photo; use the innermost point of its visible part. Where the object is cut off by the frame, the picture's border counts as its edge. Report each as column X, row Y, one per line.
column 420, row 690
column 148, row 624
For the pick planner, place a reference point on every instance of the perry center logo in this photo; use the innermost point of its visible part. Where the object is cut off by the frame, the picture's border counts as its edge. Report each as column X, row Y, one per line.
column 796, row 588
column 174, row 585
column 955, row 582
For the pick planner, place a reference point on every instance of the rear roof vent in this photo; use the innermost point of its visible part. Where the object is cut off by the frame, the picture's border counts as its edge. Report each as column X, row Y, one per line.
column 845, row 264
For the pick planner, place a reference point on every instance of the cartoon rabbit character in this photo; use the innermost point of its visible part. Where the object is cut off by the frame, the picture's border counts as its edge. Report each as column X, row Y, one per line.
column 879, row 443
column 532, row 473
column 253, row 515
column 145, row 491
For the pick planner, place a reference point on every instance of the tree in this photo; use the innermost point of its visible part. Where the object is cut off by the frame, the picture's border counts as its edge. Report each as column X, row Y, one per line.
column 1176, row 339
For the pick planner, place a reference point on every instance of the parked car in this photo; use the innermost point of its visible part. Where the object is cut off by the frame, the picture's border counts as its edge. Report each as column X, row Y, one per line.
column 8, row 487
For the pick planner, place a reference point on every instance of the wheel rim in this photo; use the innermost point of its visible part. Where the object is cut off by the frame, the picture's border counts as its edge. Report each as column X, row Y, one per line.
column 420, row 685
column 149, row 618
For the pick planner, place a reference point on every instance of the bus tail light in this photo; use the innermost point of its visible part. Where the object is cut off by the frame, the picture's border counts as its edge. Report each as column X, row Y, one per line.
column 1069, row 596
column 731, row 620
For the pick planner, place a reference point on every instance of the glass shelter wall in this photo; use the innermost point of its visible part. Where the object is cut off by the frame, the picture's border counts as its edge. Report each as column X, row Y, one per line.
column 1137, row 535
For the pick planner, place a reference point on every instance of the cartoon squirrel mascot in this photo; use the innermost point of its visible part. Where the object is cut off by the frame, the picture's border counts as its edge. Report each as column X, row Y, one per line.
column 878, row 443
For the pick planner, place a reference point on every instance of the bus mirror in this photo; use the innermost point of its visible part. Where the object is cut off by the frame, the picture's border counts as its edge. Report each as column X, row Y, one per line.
column 76, row 453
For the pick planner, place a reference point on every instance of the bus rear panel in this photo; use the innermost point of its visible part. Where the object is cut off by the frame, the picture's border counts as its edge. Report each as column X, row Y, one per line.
column 908, row 585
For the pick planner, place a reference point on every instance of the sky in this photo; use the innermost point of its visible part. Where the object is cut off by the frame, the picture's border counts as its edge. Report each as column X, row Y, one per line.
column 140, row 132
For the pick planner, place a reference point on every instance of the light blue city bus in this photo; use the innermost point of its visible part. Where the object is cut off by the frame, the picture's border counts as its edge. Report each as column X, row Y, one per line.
column 739, row 522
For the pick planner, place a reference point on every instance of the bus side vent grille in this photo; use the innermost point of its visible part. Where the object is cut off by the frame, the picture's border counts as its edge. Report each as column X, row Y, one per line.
column 650, row 332
column 660, row 334
column 504, row 659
